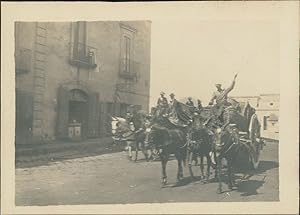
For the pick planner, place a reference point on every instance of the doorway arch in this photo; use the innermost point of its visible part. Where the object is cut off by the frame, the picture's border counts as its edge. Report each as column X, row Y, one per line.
column 76, row 103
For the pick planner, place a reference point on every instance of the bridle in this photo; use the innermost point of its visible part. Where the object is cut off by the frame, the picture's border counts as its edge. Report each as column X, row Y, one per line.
column 232, row 140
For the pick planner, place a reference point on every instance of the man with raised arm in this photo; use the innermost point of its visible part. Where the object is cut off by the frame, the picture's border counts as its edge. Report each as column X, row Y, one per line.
column 220, row 96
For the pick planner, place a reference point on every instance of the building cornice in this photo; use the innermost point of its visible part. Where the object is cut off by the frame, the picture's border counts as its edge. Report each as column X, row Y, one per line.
column 268, row 109
column 270, row 94
column 127, row 27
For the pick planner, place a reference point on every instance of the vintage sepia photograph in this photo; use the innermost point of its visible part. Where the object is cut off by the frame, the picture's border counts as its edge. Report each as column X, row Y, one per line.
column 147, row 110
column 85, row 120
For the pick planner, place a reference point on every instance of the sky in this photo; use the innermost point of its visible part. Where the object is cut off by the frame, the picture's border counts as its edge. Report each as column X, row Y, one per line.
column 188, row 57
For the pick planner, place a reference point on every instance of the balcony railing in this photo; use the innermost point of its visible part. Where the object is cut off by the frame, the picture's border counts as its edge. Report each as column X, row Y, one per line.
column 129, row 69
column 23, row 59
column 83, row 55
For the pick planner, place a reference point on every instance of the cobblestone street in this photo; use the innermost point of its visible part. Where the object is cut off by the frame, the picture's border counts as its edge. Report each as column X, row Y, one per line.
column 112, row 178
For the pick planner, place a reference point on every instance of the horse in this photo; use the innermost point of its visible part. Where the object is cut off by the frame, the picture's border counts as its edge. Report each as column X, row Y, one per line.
column 199, row 144
column 166, row 142
column 124, row 131
column 248, row 126
column 227, row 145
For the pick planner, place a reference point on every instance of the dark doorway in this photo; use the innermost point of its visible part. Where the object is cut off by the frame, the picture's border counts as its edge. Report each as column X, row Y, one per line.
column 78, row 111
column 23, row 117
column 78, row 114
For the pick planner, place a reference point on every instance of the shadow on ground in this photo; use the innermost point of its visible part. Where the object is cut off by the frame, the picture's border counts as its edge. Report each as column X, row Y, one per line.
column 249, row 187
column 246, row 186
column 265, row 166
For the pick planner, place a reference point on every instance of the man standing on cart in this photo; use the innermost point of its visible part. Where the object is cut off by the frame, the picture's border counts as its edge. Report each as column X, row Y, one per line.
column 221, row 98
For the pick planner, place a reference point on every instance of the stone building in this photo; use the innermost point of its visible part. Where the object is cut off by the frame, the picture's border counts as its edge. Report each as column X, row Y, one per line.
column 78, row 73
column 267, row 110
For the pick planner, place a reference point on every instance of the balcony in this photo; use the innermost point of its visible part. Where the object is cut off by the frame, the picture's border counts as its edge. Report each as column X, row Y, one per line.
column 82, row 55
column 23, row 60
column 129, row 69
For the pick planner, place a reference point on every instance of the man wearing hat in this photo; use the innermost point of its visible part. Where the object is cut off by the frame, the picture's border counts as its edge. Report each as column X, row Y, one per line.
column 162, row 104
column 199, row 105
column 172, row 111
column 173, row 100
column 221, row 94
column 172, row 104
column 190, row 102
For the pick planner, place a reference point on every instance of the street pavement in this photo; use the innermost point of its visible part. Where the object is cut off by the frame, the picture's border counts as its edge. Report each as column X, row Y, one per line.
column 112, row 178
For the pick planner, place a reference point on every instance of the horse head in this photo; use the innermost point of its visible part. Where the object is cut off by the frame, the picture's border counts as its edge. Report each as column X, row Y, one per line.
column 155, row 134
column 121, row 128
column 148, row 129
column 224, row 137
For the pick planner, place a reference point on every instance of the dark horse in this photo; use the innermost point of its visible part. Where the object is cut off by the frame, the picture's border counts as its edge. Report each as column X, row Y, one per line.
column 169, row 141
column 199, row 143
column 238, row 154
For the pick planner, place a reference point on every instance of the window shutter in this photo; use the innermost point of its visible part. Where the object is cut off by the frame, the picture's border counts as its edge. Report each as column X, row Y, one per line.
column 62, row 112
column 93, row 115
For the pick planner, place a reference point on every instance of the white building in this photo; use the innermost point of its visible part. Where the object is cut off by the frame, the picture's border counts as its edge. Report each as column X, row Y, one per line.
column 267, row 109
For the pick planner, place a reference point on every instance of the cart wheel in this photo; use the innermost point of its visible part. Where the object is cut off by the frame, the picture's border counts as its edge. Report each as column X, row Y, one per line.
column 256, row 158
column 256, row 141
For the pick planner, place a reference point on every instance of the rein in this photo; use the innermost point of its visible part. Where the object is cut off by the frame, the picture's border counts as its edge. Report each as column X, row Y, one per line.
column 131, row 134
column 184, row 145
column 229, row 148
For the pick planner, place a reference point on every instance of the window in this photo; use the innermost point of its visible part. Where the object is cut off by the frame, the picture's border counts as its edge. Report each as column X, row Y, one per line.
column 266, row 122
column 127, row 45
column 127, row 67
column 80, row 39
column 82, row 55
column 271, row 104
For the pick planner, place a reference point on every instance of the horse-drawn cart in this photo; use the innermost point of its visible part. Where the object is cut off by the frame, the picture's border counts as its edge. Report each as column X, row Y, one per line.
column 244, row 122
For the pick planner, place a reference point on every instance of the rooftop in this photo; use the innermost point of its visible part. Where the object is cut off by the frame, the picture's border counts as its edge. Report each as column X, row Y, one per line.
column 270, row 94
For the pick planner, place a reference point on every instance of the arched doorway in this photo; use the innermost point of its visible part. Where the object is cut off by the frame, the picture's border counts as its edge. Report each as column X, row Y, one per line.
column 77, row 104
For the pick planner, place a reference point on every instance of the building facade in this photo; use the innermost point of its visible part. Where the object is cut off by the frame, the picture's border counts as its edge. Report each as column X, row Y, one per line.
column 267, row 110
column 78, row 73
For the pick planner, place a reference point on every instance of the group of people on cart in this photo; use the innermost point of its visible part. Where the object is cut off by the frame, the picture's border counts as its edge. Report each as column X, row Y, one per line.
column 218, row 103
